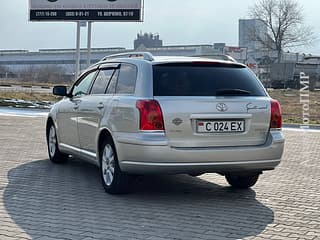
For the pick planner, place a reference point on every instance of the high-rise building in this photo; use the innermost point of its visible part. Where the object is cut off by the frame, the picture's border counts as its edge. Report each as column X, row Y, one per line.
column 251, row 33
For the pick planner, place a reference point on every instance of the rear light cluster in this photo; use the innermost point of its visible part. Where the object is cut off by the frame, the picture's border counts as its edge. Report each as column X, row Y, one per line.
column 276, row 115
column 151, row 118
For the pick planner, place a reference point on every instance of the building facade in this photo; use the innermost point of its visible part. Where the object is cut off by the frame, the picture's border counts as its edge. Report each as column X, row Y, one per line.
column 147, row 40
column 18, row 61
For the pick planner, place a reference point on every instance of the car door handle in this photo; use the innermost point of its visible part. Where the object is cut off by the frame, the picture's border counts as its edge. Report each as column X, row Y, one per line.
column 116, row 99
column 76, row 104
column 100, row 106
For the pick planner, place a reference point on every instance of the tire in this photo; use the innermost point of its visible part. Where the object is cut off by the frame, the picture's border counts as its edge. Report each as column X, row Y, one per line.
column 114, row 181
column 53, row 150
column 242, row 181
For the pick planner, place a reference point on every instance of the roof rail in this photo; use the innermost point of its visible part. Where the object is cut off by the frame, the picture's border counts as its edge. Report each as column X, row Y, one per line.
column 142, row 55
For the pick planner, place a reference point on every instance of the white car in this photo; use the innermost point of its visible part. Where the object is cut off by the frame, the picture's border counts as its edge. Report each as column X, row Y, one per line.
column 138, row 114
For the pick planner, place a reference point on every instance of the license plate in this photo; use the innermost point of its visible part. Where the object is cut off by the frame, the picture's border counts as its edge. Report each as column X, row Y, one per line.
column 220, row 126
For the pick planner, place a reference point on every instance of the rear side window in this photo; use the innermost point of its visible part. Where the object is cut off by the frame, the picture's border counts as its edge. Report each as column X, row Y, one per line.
column 113, row 83
column 204, row 79
column 127, row 79
column 101, row 82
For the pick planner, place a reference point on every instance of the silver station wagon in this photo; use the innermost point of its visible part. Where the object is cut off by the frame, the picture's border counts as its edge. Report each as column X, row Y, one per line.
column 134, row 114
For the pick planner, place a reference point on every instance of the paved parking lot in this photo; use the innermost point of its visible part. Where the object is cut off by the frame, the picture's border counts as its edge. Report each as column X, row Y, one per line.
column 39, row 200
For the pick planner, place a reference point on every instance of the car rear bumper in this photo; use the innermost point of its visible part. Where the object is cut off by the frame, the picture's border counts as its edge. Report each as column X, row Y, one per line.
column 137, row 154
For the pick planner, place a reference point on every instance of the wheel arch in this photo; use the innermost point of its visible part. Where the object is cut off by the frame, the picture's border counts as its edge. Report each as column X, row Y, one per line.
column 51, row 121
column 48, row 124
column 103, row 134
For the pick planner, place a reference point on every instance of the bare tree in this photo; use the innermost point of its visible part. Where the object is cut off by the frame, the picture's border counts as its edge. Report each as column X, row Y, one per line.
column 29, row 74
column 3, row 69
column 284, row 20
column 51, row 74
column 45, row 74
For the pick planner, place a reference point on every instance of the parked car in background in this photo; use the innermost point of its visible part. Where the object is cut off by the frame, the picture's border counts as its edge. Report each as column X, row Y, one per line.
column 138, row 114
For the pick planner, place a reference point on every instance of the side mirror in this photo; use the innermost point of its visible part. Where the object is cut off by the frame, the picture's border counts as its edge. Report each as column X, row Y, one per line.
column 60, row 91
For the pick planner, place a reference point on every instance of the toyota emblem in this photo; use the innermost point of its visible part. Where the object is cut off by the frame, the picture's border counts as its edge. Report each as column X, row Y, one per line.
column 222, row 107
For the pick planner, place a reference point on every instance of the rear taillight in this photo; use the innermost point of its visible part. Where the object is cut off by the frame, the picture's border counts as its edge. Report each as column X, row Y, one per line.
column 276, row 115
column 151, row 118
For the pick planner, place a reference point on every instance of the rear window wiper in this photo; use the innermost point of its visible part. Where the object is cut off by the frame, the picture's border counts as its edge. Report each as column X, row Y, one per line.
column 232, row 91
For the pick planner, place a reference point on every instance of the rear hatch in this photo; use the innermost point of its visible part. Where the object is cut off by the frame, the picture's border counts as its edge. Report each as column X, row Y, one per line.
column 211, row 104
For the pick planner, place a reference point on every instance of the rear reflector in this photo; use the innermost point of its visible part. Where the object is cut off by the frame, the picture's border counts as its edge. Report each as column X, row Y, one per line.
column 151, row 118
column 276, row 115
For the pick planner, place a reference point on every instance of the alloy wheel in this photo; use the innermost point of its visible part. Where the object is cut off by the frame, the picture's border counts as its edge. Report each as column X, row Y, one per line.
column 108, row 164
column 52, row 141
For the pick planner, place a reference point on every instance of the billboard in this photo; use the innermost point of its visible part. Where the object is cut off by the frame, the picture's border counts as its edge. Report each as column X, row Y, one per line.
column 86, row 10
column 238, row 53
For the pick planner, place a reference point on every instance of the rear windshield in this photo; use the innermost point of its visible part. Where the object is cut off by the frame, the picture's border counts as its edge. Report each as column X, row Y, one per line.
column 205, row 79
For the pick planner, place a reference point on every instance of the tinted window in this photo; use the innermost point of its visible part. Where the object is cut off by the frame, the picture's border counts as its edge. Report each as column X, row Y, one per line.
column 101, row 82
column 204, row 79
column 113, row 83
column 83, row 86
column 127, row 79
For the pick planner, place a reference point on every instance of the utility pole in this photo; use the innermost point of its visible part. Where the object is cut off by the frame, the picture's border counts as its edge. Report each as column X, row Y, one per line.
column 76, row 74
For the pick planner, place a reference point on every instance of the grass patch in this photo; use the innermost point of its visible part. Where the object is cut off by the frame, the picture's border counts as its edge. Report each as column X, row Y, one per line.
column 291, row 107
column 28, row 96
column 30, row 83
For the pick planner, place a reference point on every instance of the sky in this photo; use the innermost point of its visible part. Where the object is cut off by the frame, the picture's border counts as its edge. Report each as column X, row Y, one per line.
column 178, row 22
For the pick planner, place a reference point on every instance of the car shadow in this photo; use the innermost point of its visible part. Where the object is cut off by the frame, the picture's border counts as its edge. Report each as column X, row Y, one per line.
column 68, row 201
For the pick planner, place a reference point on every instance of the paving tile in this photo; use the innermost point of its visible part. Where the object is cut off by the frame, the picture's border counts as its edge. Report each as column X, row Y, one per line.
column 40, row 200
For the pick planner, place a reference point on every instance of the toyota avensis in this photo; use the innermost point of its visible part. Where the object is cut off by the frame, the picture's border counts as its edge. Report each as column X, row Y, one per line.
column 138, row 114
